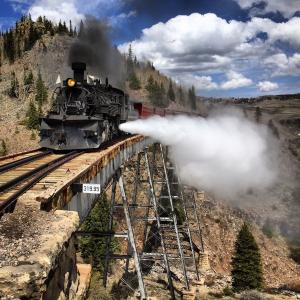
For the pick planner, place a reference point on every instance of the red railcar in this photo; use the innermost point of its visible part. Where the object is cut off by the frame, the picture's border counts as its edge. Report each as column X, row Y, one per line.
column 146, row 110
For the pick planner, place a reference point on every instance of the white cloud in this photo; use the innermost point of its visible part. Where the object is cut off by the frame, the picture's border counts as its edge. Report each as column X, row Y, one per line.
column 267, row 86
column 205, row 83
column 75, row 10
column 287, row 7
column 286, row 32
column 195, row 41
column 235, row 80
column 201, row 83
column 208, row 43
column 120, row 18
column 57, row 10
column 280, row 64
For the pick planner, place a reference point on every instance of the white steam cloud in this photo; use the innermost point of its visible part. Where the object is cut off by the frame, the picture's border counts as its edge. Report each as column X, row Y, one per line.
column 224, row 154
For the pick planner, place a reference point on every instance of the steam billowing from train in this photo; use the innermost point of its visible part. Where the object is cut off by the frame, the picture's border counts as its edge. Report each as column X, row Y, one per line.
column 94, row 48
column 224, row 154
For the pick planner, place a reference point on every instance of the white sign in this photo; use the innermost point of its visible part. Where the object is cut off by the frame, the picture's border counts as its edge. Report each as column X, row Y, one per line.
column 91, row 188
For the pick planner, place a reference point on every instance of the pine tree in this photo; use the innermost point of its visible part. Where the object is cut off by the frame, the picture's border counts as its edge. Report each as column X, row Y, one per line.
column 28, row 78
column 71, row 29
column 257, row 114
column 81, row 29
column 3, row 148
column 150, row 83
column 192, row 98
column 136, row 62
column 60, row 28
column 32, row 117
column 33, row 36
column 14, row 86
column 134, row 82
column 9, row 46
column 130, row 68
column 165, row 100
column 48, row 26
column 65, row 29
column 171, row 93
column 155, row 93
column 41, row 91
column 246, row 263
column 93, row 249
column 181, row 96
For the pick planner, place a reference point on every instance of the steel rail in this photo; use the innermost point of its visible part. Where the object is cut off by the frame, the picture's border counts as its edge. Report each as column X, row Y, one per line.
column 11, row 165
column 11, row 183
column 39, row 173
column 19, row 154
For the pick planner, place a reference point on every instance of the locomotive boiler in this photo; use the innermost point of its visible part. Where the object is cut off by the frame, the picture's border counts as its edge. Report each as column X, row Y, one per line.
column 84, row 114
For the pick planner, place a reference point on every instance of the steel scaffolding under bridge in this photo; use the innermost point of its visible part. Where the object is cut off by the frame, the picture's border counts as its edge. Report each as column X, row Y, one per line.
column 160, row 221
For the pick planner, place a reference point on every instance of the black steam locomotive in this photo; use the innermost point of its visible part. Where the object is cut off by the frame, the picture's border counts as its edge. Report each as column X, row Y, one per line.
column 84, row 114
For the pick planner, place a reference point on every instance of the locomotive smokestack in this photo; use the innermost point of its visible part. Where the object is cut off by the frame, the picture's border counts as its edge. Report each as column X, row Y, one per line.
column 79, row 68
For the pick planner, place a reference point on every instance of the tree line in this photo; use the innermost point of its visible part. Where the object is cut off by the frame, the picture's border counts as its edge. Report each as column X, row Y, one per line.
column 23, row 36
column 157, row 93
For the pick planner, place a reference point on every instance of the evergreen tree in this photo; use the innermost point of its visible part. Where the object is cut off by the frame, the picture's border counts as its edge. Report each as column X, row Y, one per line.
column 257, row 114
column 92, row 249
column 33, row 36
column 136, row 63
column 3, row 148
column 130, row 68
column 41, row 91
column 150, row 83
column 165, row 100
column 134, row 82
column 18, row 50
column 81, row 29
column 246, row 263
column 71, row 29
column 192, row 98
column 48, row 26
column 171, row 94
column 28, row 78
column 65, row 28
column 60, row 28
column 181, row 96
column 32, row 117
column 155, row 93
column 8, row 46
column 14, row 86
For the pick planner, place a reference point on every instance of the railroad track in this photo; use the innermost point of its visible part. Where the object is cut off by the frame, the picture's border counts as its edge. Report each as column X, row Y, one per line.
column 17, row 156
column 18, row 176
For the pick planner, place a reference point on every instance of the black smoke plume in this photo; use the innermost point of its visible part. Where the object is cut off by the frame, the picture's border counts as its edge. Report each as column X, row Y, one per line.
column 93, row 47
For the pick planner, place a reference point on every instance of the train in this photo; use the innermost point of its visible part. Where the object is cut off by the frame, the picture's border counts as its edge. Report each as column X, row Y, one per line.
column 86, row 113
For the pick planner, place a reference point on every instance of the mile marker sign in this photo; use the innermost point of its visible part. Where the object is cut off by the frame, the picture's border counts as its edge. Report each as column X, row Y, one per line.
column 91, row 189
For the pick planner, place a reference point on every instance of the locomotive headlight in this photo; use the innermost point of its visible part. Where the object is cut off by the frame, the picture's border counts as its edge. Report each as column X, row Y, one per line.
column 71, row 82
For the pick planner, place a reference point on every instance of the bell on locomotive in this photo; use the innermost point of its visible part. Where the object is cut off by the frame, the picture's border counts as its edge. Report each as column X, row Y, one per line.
column 84, row 113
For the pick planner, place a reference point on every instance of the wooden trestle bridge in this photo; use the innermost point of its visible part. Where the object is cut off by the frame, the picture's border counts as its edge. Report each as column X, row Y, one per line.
column 152, row 201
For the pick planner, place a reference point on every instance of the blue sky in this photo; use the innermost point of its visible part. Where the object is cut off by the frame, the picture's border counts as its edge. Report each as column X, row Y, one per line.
column 224, row 48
